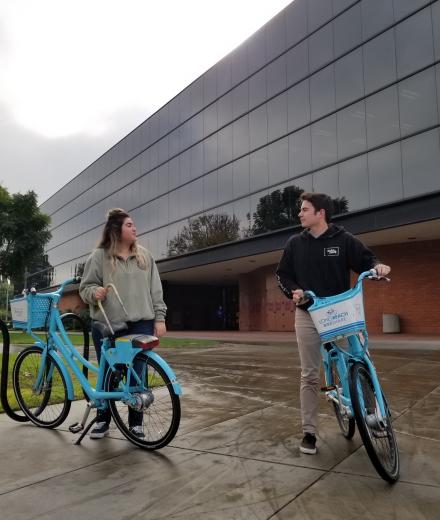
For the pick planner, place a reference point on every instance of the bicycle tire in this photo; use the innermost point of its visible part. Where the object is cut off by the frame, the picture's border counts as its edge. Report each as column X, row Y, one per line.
column 379, row 440
column 347, row 424
column 160, row 420
column 48, row 407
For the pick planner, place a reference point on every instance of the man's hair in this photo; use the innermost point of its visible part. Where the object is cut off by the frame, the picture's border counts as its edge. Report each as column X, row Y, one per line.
column 320, row 201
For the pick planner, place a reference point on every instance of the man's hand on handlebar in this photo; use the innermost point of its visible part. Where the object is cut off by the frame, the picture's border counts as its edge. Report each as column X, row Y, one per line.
column 297, row 295
column 382, row 269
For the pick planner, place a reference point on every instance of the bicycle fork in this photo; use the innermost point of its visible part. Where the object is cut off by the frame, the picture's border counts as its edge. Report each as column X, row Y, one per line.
column 334, row 392
column 377, row 418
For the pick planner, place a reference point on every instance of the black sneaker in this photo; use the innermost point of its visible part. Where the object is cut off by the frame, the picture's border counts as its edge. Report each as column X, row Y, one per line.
column 138, row 431
column 100, row 430
column 308, row 444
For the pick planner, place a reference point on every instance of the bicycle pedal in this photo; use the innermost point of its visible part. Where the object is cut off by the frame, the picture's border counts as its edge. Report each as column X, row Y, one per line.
column 328, row 388
column 76, row 427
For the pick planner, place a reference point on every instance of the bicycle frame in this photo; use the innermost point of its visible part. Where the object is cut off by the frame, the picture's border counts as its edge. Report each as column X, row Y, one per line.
column 357, row 351
column 344, row 358
column 122, row 353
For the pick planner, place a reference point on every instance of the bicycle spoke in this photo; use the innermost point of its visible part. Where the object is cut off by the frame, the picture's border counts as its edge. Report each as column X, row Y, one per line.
column 46, row 404
column 376, row 431
column 159, row 419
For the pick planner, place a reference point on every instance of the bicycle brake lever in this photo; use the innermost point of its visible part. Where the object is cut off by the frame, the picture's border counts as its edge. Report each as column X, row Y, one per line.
column 379, row 278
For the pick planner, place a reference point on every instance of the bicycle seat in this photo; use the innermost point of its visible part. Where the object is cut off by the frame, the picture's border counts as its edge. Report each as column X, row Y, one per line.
column 105, row 331
column 145, row 341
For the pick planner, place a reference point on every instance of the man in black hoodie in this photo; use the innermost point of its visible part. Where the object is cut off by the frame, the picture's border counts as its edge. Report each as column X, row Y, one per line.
column 318, row 259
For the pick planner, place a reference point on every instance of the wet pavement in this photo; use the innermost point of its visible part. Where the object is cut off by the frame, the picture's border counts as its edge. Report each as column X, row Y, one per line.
column 236, row 454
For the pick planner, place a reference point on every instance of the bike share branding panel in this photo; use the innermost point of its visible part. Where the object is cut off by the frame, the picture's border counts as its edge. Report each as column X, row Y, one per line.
column 19, row 310
column 337, row 318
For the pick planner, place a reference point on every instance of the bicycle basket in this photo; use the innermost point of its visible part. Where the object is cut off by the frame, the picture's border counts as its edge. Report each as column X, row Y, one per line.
column 30, row 312
column 339, row 316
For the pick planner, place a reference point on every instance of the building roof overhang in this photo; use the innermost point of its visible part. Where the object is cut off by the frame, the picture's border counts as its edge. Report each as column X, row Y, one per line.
column 412, row 219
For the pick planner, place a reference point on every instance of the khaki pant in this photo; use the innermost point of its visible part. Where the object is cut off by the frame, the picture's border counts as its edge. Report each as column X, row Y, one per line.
column 310, row 356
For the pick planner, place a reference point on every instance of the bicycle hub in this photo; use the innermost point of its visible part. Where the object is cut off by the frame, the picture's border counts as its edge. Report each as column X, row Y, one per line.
column 142, row 401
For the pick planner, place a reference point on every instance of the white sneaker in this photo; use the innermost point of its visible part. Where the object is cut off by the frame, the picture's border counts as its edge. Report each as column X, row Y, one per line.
column 100, row 430
column 138, row 431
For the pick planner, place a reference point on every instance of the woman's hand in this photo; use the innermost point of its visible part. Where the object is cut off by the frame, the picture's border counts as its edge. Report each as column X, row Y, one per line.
column 100, row 293
column 159, row 328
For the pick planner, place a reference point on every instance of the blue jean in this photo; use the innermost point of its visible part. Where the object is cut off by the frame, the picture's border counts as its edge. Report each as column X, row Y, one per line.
column 134, row 327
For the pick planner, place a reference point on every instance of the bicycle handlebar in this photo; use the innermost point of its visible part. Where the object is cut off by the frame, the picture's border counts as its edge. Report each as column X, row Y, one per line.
column 58, row 292
column 371, row 275
column 69, row 281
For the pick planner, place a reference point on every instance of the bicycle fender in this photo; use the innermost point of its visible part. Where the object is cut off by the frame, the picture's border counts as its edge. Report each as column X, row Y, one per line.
column 168, row 370
column 70, row 393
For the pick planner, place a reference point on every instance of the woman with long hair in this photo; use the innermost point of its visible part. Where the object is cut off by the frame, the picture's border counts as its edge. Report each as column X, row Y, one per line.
column 121, row 261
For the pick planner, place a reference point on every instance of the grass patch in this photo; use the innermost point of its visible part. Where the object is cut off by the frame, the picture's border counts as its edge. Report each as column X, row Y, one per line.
column 21, row 338
column 10, row 392
column 187, row 342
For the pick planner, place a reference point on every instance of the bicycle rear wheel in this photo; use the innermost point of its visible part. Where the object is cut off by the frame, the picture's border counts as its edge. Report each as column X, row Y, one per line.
column 346, row 424
column 48, row 405
column 159, row 416
column 377, row 435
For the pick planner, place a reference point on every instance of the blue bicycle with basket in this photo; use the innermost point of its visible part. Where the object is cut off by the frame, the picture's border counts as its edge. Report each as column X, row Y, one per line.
column 42, row 375
column 352, row 385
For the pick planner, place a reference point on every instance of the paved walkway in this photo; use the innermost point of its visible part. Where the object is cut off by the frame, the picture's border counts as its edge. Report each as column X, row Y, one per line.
column 274, row 338
column 236, row 453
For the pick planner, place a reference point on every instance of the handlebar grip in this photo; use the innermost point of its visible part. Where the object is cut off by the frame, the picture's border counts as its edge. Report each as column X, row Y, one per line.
column 374, row 276
column 307, row 297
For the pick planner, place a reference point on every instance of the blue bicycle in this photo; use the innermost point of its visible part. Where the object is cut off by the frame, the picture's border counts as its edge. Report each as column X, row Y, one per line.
column 43, row 384
column 352, row 384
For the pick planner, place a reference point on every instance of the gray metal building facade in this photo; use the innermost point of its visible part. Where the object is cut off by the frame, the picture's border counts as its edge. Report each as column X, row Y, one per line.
column 335, row 96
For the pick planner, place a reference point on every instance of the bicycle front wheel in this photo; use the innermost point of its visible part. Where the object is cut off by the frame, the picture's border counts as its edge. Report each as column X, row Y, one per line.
column 346, row 424
column 154, row 423
column 377, row 433
column 46, row 404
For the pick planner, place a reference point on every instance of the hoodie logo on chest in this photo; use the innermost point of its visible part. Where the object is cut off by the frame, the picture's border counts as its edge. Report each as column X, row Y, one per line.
column 331, row 251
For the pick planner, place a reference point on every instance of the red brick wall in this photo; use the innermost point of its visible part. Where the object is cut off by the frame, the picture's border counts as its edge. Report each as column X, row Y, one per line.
column 262, row 305
column 413, row 294
column 253, row 300
column 414, row 291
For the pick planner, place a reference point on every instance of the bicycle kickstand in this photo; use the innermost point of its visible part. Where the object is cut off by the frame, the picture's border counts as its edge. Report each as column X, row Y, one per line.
column 79, row 426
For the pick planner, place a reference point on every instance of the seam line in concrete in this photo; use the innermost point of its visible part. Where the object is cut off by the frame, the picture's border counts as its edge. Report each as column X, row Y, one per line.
column 60, row 474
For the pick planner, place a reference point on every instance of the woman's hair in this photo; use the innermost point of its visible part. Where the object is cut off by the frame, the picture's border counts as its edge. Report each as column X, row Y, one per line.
column 112, row 235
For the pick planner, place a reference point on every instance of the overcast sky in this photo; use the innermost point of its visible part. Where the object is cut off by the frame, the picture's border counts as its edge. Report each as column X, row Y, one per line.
column 78, row 75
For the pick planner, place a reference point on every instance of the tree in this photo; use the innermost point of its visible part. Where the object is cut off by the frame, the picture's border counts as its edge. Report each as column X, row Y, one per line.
column 24, row 232
column 207, row 230
column 39, row 271
column 280, row 209
column 277, row 210
column 340, row 205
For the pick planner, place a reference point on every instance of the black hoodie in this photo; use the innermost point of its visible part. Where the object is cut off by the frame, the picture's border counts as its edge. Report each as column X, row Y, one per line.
column 322, row 264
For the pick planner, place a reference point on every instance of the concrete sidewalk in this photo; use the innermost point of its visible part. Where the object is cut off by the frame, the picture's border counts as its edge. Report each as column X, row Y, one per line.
column 236, row 454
